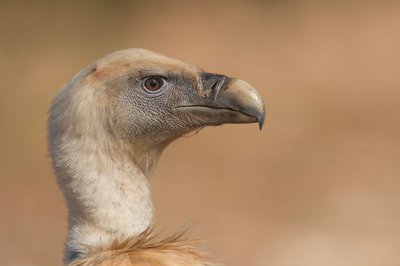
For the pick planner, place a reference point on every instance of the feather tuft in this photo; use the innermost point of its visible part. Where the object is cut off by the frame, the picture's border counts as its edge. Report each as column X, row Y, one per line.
column 146, row 250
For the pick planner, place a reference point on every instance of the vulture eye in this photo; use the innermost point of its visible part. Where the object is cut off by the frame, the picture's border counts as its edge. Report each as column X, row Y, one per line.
column 153, row 83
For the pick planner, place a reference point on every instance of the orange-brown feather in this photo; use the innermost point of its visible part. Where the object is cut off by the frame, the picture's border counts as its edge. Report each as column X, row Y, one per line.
column 145, row 250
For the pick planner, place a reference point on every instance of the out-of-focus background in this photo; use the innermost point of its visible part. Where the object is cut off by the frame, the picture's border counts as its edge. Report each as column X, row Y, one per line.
column 318, row 186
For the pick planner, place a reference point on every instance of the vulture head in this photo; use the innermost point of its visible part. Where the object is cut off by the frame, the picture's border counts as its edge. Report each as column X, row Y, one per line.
column 109, row 124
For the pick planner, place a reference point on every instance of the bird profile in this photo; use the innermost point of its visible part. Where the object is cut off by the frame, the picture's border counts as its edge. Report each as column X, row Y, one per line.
column 107, row 129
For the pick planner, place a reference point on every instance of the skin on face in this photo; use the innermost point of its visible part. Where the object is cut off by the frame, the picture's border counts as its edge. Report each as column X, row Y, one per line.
column 185, row 98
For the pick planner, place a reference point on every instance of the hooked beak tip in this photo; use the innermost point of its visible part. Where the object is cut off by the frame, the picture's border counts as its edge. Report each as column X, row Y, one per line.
column 261, row 123
column 246, row 98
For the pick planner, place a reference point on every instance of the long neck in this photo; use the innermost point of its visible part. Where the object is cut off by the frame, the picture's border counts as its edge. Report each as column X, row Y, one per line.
column 108, row 196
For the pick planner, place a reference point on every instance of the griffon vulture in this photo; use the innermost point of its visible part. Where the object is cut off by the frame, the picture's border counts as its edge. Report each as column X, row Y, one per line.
column 107, row 128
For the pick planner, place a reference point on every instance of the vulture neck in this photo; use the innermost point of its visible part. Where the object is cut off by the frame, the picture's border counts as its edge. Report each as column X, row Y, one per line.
column 107, row 193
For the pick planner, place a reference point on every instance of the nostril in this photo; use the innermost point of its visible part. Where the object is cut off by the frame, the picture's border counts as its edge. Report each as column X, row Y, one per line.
column 216, row 87
column 211, row 84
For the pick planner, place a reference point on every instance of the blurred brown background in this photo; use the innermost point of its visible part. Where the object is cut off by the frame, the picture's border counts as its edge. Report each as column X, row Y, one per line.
column 318, row 186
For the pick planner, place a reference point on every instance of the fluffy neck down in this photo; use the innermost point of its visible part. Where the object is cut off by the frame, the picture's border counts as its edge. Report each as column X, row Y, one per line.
column 108, row 196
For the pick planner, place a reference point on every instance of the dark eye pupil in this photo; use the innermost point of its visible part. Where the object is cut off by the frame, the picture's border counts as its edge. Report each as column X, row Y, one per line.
column 153, row 83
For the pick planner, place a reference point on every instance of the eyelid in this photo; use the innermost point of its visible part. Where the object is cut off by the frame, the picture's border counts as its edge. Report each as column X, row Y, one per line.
column 153, row 73
column 155, row 77
column 165, row 79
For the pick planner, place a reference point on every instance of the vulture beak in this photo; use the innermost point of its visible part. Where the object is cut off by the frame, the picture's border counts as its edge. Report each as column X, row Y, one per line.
column 229, row 100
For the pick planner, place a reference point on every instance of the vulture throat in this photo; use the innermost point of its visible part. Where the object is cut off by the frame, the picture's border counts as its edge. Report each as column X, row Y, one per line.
column 108, row 126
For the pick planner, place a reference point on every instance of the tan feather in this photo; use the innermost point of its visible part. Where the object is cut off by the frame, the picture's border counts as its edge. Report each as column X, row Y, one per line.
column 146, row 250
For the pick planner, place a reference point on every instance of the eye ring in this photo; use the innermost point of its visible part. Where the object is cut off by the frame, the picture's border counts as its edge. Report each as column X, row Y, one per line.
column 153, row 84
